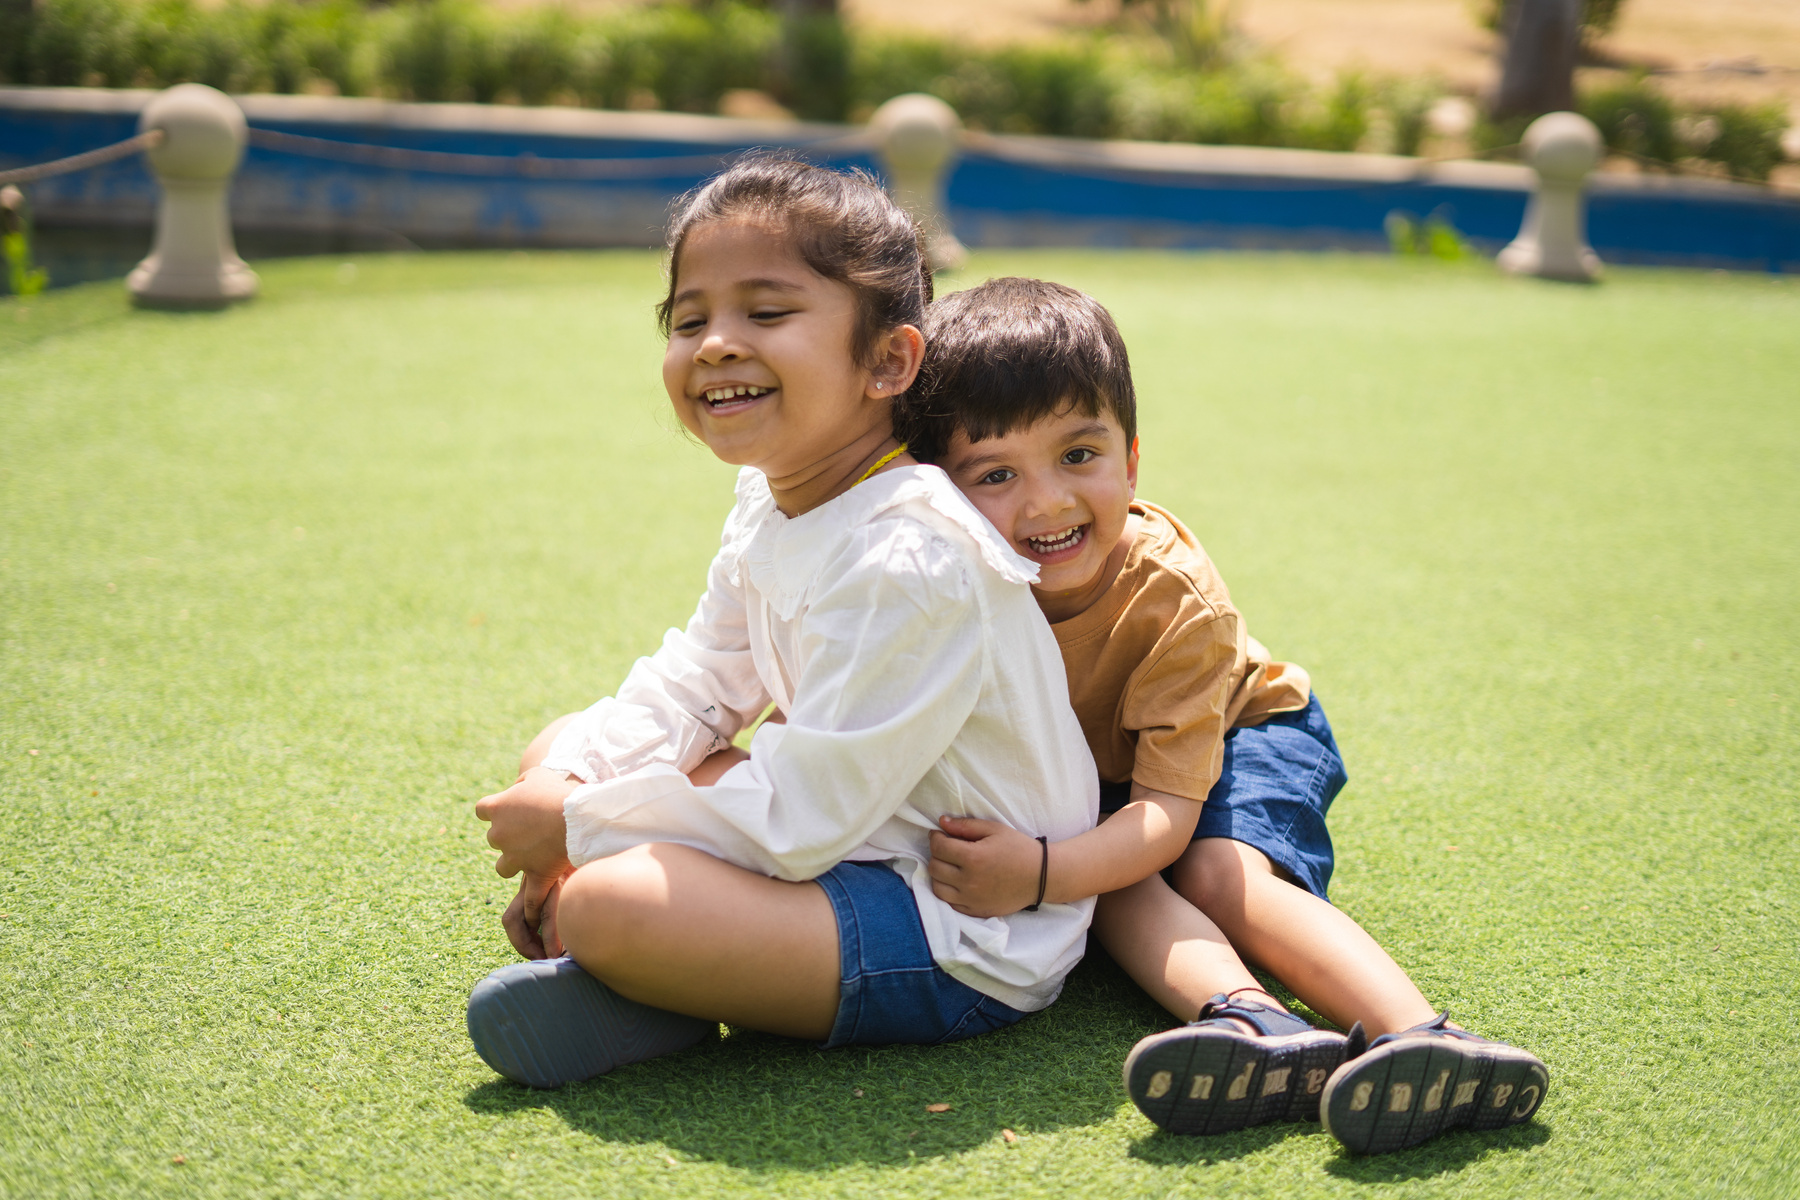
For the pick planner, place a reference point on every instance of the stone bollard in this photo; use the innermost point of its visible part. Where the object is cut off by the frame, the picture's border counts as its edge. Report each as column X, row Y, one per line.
column 917, row 136
column 193, row 263
column 1562, row 147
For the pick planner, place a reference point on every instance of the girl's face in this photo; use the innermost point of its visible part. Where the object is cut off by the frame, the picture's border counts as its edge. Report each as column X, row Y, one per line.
column 759, row 365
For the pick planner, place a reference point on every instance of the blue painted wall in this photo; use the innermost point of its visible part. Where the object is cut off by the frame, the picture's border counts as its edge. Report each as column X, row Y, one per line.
column 992, row 201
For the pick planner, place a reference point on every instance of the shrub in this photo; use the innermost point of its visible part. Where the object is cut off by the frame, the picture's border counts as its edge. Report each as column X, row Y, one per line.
column 1634, row 117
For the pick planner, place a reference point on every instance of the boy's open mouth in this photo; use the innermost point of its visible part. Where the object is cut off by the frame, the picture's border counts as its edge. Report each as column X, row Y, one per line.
column 724, row 399
column 1049, row 544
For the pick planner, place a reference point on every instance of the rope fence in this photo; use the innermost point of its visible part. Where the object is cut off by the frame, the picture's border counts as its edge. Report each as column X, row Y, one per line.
column 520, row 166
column 81, row 162
column 533, row 166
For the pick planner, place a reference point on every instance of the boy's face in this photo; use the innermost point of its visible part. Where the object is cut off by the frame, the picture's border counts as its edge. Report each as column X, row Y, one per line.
column 1060, row 492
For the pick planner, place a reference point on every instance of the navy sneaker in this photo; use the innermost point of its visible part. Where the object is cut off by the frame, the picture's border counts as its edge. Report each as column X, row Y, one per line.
column 1212, row 1077
column 1412, row 1085
column 548, row 1022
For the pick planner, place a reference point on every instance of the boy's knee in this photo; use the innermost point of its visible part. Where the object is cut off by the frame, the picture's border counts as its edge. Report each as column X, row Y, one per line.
column 1210, row 875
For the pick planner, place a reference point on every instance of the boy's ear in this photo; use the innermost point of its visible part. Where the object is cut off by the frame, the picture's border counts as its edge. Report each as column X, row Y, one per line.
column 1131, row 466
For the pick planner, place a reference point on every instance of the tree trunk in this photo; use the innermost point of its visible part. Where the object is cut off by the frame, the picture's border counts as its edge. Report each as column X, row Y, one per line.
column 813, row 64
column 1538, row 74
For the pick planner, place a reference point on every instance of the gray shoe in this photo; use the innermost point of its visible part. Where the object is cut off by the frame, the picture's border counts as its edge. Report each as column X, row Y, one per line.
column 548, row 1022
column 1212, row 1077
column 1410, row 1086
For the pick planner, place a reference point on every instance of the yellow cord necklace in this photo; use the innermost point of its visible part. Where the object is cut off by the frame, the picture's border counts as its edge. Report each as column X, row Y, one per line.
column 881, row 462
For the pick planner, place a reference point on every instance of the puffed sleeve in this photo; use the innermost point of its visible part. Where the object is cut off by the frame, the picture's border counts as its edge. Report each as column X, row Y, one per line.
column 891, row 657
column 678, row 705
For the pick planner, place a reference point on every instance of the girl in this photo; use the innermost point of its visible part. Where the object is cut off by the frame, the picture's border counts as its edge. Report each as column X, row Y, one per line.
column 786, row 890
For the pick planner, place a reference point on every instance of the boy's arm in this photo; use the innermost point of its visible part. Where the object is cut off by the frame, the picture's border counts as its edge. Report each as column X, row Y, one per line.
column 986, row 869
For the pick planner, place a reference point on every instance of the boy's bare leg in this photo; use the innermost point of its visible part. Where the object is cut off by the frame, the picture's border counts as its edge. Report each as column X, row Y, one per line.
column 1171, row 949
column 673, row 927
column 1316, row 950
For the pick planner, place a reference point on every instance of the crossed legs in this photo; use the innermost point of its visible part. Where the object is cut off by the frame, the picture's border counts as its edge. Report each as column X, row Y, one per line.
column 676, row 928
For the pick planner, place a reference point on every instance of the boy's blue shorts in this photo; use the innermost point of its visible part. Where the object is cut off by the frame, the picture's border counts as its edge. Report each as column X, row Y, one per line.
column 891, row 991
column 1279, row 778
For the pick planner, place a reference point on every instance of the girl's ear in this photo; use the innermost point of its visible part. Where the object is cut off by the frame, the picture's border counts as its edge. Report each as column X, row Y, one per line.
column 899, row 363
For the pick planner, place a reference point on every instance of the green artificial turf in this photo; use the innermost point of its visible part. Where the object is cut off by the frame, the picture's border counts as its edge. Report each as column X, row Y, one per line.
column 284, row 589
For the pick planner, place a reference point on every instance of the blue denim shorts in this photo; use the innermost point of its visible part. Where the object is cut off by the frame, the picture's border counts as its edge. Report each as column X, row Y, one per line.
column 1278, row 780
column 891, row 990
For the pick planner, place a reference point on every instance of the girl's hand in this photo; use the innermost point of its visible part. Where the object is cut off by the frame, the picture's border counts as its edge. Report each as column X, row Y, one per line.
column 983, row 868
column 530, row 920
column 528, row 827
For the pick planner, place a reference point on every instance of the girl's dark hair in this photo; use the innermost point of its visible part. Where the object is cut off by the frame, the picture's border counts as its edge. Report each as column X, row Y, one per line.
column 1009, row 353
column 843, row 224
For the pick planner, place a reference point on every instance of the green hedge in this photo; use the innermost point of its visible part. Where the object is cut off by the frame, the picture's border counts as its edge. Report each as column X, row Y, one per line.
column 685, row 57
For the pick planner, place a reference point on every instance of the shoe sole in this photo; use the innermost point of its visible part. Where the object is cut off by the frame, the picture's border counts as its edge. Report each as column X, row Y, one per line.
column 1411, row 1090
column 1202, row 1081
column 548, row 1022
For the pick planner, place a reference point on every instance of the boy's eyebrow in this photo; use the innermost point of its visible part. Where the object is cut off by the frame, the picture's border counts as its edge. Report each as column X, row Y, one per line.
column 747, row 285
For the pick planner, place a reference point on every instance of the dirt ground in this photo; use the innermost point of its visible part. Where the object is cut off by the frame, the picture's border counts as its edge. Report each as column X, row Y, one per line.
column 1745, row 50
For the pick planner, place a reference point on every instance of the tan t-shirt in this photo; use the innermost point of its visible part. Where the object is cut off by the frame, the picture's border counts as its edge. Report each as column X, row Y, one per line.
column 1161, row 669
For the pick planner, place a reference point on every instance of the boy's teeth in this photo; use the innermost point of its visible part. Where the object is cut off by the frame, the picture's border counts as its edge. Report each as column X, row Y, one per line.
column 1050, row 543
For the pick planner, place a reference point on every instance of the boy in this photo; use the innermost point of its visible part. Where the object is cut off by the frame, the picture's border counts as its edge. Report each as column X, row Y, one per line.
column 1216, row 763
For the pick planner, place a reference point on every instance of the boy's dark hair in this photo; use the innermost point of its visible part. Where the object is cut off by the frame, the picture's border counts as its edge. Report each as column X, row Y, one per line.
column 843, row 224
column 1011, row 352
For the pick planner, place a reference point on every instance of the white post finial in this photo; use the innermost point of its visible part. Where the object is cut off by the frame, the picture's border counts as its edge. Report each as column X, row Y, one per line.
column 917, row 136
column 1562, row 147
column 193, row 263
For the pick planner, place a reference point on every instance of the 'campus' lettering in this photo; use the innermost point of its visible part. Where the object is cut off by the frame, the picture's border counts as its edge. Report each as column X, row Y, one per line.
column 1400, row 1097
column 1159, row 1084
column 1275, row 1081
column 1434, row 1095
column 1240, row 1087
column 1201, row 1088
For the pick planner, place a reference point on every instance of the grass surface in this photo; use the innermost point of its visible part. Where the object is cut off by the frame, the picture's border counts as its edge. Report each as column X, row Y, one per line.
column 284, row 589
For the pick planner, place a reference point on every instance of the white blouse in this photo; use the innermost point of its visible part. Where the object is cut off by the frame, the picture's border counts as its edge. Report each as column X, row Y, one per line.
column 896, row 631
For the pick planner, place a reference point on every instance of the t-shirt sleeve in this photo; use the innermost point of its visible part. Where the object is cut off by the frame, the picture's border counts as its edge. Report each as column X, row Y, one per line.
column 1177, row 703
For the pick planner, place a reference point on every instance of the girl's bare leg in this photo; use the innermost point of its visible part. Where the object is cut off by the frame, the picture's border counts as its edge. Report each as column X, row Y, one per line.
column 1171, row 949
column 540, row 745
column 673, row 927
column 1327, row 960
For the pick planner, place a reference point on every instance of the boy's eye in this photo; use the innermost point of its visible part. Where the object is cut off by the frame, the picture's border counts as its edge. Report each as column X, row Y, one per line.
column 997, row 475
column 689, row 324
column 1079, row 455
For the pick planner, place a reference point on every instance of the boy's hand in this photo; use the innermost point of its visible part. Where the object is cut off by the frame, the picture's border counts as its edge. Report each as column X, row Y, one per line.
column 983, row 868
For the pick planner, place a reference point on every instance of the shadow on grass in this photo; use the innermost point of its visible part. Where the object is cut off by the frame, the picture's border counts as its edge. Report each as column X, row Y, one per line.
column 1441, row 1156
column 756, row 1101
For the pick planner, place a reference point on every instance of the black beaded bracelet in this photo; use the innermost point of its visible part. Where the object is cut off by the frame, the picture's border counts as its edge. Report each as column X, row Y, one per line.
column 1043, row 875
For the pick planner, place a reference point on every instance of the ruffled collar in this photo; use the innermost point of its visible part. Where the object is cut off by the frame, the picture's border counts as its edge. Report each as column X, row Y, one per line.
column 784, row 555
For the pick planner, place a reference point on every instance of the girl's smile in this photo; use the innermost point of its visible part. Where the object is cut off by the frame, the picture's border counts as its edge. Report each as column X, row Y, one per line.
column 759, row 363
